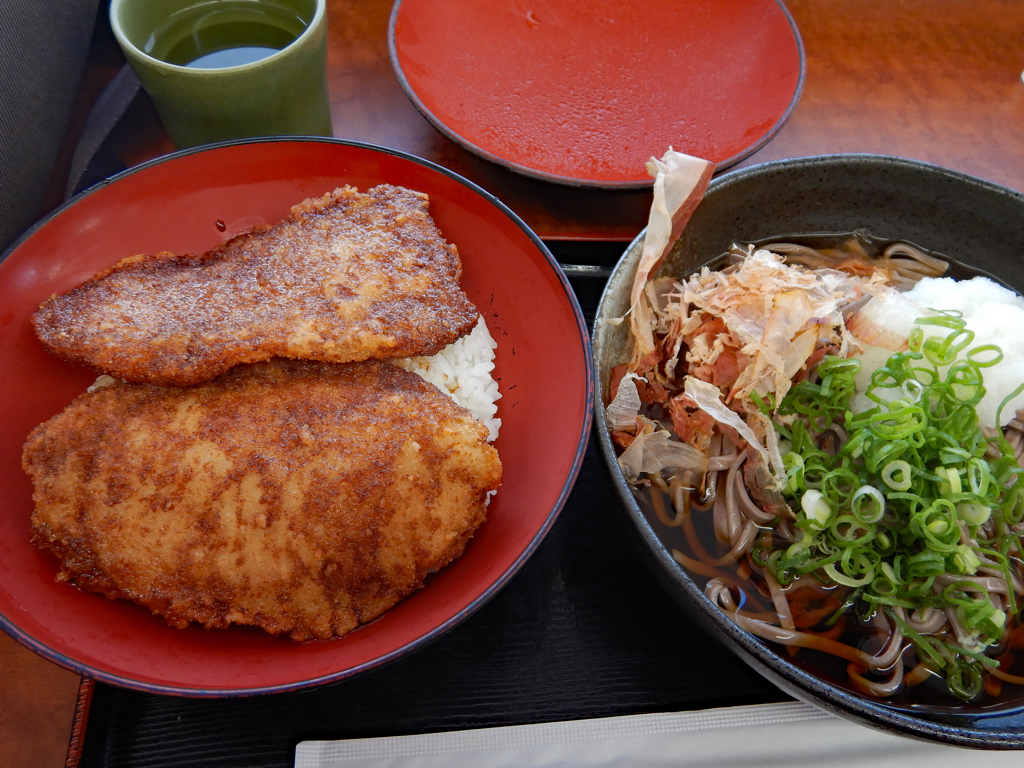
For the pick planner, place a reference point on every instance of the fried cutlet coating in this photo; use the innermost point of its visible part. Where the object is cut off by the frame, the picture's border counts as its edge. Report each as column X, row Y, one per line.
column 346, row 277
column 304, row 498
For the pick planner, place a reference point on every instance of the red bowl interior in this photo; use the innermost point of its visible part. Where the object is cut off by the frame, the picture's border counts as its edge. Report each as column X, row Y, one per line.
column 543, row 367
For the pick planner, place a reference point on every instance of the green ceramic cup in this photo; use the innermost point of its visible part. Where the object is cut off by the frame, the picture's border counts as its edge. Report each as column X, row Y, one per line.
column 283, row 93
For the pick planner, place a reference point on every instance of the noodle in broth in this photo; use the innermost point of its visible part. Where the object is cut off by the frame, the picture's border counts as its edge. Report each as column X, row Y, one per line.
column 858, row 573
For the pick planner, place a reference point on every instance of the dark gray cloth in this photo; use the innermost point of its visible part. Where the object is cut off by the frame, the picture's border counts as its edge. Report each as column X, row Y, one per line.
column 43, row 47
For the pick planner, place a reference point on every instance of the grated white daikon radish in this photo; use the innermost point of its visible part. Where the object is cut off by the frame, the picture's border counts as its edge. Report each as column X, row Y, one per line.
column 995, row 314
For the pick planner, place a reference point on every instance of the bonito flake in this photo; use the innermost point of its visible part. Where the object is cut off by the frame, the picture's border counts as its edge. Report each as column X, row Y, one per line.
column 776, row 314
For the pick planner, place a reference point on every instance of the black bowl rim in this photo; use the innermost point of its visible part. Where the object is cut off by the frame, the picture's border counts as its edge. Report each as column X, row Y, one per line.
column 82, row 668
column 758, row 655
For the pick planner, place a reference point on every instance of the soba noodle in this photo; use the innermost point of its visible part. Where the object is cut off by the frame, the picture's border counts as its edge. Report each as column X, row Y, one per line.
column 799, row 523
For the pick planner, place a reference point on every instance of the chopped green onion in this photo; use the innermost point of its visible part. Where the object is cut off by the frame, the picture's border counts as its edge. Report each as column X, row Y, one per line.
column 868, row 504
column 1005, row 400
column 888, row 475
column 817, row 509
column 885, row 515
column 848, row 581
column 951, row 485
column 973, row 513
column 966, row 560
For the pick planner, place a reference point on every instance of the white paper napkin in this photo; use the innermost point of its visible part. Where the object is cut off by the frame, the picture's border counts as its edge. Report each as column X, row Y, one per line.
column 789, row 735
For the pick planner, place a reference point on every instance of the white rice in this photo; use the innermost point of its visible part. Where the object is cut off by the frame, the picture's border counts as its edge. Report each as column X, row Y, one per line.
column 463, row 371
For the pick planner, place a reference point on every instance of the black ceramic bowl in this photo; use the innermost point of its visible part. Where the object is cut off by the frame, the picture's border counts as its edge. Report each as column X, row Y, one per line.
column 972, row 221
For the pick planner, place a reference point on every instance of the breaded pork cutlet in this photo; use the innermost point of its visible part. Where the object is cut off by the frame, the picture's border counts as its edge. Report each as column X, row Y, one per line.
column 304, row 498
column 349, row 276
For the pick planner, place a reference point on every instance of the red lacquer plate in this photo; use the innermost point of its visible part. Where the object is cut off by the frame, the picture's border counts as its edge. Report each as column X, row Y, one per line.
column 181, row 203
column 583, row 92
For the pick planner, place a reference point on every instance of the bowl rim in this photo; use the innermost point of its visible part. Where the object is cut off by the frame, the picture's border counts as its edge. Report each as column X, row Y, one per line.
column 25, row 638
column 793, row 680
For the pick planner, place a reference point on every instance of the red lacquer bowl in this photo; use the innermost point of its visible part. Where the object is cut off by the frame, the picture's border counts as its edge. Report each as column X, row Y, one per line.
column 181, row 203
column 583, row 92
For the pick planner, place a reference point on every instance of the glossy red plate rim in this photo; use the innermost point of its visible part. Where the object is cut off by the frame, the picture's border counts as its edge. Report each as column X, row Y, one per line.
column 88, row 670
column 535, row 173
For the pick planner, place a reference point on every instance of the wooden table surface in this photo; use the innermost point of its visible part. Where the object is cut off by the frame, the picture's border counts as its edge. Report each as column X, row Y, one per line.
column 931, row 80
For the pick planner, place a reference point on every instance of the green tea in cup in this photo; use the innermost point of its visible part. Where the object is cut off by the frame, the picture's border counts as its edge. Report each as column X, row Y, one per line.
column 229, row 69
column 226, row 33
